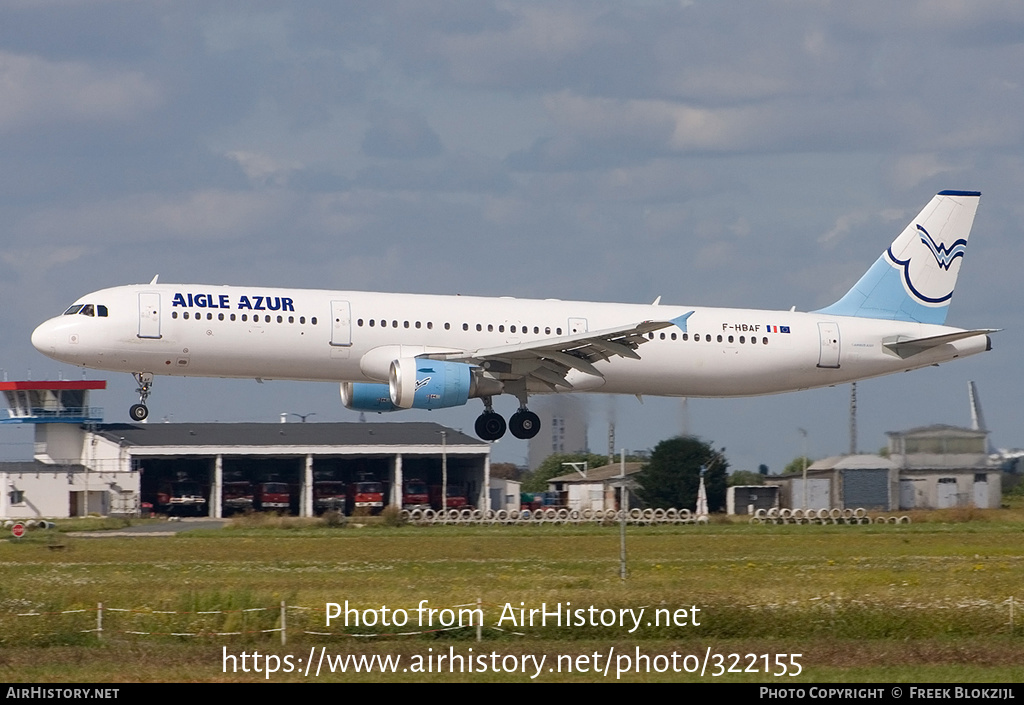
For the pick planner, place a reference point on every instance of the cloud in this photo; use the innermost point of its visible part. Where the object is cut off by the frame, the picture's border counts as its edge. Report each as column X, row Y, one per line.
column 263, row 170
column 203, row 215
column 36, row 91
column 395, row 133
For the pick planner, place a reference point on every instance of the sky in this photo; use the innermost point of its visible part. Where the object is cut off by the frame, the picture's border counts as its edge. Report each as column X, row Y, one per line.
column 755, row 154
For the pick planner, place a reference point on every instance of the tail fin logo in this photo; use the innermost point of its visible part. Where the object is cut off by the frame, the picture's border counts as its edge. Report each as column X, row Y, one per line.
column 944, row 256
column 928, row 279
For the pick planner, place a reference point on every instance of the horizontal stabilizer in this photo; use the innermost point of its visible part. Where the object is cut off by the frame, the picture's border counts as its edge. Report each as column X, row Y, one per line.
column 912, row 346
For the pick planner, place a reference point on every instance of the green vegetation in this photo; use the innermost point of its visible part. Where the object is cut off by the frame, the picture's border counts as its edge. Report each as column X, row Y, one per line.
column 928, row 601
column 671, row 477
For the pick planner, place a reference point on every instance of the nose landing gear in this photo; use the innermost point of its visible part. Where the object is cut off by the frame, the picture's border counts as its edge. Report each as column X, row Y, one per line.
column 139, row 412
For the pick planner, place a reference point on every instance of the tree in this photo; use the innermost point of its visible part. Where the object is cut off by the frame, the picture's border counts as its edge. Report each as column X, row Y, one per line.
column 797, row 465
column 745, row 477
column 672, row 476
column 505, row 471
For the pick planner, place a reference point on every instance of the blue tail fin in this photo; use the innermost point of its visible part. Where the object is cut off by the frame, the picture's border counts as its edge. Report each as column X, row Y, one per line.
column 913, row 280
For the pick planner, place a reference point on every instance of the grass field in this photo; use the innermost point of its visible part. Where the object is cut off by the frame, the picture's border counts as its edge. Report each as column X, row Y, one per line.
column 935, row 600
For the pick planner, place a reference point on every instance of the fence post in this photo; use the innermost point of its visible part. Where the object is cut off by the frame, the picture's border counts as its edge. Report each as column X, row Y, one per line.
column 284, row 625
column 99, row 620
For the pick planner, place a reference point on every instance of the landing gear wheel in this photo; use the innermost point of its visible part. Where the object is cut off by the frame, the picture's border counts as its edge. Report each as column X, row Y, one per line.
column 490, row 426
column 524, row 424
column 139, row 412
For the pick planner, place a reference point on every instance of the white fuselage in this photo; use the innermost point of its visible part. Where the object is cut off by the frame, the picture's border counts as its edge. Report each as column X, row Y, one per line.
column 338, row 336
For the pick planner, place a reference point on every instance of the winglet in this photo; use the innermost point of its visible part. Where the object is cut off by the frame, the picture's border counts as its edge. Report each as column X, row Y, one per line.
column 680, row 321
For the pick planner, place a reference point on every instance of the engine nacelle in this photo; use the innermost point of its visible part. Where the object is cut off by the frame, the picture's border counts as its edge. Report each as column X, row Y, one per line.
column 364, row 396
column 429, row 384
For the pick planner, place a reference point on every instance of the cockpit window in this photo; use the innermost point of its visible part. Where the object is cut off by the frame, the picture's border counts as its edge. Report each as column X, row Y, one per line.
column 87, row 310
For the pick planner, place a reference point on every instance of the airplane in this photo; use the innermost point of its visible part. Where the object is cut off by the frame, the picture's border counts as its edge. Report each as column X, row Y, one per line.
column 399, row 351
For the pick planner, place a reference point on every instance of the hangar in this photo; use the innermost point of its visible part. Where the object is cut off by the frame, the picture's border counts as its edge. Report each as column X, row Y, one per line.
column 84, row 467
column 932, row 467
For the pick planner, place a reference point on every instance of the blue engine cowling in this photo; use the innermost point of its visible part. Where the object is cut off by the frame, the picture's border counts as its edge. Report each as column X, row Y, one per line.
column 429, row 384
column 365, row 396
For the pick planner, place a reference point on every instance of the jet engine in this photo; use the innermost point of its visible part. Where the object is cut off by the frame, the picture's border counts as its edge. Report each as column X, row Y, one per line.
column 365, row 396
column 419, row 383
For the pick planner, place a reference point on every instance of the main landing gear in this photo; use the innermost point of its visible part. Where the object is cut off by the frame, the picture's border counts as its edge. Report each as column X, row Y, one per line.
column 139, row 412
column 490, row 426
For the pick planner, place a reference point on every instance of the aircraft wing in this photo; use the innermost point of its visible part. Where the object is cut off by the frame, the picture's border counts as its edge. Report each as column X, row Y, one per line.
column 906, row 347
column 550, row 360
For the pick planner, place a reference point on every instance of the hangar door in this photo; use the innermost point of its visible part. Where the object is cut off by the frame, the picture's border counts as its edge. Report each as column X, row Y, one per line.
column 866, row 488
column 818, row 490
column 912, row 493
column 981, row 490
column 946, row 494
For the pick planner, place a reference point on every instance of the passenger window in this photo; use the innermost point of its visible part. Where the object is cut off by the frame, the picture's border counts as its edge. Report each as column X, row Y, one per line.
column 743, row 339
column 313, row 320
column 719, row 338
column 185, row 316
column 764, row 341
column 174, row 314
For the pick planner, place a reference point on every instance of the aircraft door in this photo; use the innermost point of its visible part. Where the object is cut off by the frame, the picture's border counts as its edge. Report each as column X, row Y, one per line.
column 149, row 315
column 828, row 356
column 341, row 324
column 577, row 325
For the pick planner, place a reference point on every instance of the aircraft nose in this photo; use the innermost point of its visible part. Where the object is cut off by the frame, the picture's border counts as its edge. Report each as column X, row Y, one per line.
column 44, row 339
